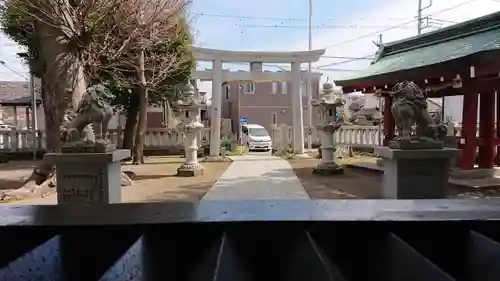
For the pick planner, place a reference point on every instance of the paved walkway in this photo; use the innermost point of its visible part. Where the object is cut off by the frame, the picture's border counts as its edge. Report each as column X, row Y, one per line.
column 257, row 177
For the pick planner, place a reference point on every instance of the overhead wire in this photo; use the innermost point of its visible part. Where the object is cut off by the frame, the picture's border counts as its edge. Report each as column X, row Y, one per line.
column 344, row 61
column 283, row 68
column 264, row 18
column 318, row 26
column 368, row 57
column 247, row 17
column 347, row 59
column 4, row 64
column 397, row 26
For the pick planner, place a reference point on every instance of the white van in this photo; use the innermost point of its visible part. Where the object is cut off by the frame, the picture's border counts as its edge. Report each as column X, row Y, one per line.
column 255, row 137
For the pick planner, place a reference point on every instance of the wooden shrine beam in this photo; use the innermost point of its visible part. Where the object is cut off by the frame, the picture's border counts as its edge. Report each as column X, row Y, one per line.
column 486, row 129
column 389, row 122
column 478, row 85
column 469, row 127
column 483, row 65
column 497, row 159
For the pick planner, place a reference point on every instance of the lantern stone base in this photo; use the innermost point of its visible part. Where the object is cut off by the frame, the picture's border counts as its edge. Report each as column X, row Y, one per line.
column 301, row 156
column 216, row 159
column 380, row 162
column 326, row 169
column 190, row 170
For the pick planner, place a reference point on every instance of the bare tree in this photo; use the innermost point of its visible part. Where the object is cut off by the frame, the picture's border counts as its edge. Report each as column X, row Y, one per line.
column 75, row 36
column 61, row 31
column 137, row 42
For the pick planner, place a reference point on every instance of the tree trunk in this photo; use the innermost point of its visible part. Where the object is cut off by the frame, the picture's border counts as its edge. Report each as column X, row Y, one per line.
column 143, row 113
column 44, row 169
column 131, row 122
column 52, row 119
column 63, row 85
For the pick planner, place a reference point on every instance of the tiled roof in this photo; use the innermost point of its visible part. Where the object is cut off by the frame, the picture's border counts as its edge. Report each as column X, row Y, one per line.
column 15, row 90
column 453, row 42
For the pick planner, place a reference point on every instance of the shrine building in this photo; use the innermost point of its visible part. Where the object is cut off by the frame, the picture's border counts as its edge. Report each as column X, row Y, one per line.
column 462, row 59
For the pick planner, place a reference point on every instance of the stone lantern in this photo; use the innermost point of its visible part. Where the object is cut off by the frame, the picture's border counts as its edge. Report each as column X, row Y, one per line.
column 189, row 106
column 327, row 105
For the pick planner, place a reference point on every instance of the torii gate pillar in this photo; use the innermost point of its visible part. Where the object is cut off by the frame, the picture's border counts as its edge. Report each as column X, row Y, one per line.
column 219, row 56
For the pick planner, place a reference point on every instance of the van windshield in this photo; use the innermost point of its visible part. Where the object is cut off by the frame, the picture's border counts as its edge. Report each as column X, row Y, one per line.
column 258, row 132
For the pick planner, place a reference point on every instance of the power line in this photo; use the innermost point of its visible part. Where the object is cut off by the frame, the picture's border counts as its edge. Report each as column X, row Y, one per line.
column 12, row 70
column 367, row 57
column 320, row 26
column 268, row 18
column 283, row 68
column 247, row 17
column 396, row 26
column 441, row 20
column 338, row 69
column 341, row 62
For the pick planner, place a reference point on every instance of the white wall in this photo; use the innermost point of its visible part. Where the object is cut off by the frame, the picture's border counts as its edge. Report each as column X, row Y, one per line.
column 21, row 117
column 369, row 101
column 453, row 108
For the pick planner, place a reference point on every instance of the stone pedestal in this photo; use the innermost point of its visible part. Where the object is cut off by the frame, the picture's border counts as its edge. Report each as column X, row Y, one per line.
column 380, row 162
column 190, row 170
column 191, row 167
column 328, row 105
column 190, row 104
column 216, row 159
column 416, row 173
column 327, row 165
column 88, row 178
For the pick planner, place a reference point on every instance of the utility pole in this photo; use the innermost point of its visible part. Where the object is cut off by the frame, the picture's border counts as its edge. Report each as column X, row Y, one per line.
column 420, row 26
column 380, row 140
column 309, row 83
column 34, row 117
column 420, row 22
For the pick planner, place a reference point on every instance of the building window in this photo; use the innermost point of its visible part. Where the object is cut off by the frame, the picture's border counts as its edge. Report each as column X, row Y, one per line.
column 275, row 87
column 284, row 87
column 274, row 118
column 249, row 88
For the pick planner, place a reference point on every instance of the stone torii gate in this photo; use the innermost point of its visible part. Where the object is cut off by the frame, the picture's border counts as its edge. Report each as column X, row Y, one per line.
column 255, row 59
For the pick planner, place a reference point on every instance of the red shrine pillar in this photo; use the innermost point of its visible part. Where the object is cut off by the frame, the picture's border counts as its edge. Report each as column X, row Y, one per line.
column 389, row 122
column 469, row 127
column 497, row 94
column 487, row 130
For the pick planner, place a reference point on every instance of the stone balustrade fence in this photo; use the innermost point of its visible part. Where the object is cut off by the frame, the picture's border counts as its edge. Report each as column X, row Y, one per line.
column 160, row 138
column 22, row 140
column 349, row 135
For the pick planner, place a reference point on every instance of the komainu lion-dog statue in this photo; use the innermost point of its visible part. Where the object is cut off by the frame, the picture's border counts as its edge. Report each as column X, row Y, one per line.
column 409, row 108
column 95, row 111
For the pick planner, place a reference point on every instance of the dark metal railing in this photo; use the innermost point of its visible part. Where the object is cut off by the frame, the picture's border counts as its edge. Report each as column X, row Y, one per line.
column 254, row 240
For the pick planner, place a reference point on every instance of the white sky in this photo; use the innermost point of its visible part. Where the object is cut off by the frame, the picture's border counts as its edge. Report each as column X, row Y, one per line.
column 387, row 13
column 448, row 11
column 8, row 54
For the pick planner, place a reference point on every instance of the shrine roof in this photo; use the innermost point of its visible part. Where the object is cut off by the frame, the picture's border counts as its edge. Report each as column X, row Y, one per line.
column 22, row 101
column 446, row 44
